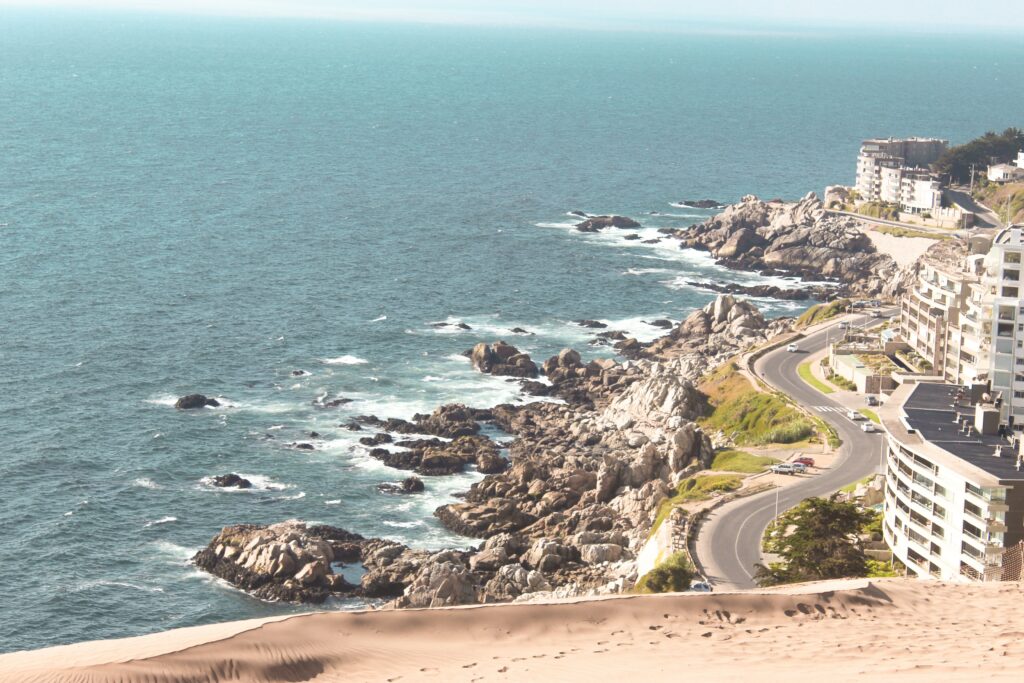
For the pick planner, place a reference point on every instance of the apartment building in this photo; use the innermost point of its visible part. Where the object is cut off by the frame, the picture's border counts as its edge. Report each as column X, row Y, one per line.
column 930, row 314
column 991, row 331
column 954, row 484
column 882, row 163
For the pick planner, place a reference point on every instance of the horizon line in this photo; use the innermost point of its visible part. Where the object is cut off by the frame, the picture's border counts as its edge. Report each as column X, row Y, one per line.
column 667, row 26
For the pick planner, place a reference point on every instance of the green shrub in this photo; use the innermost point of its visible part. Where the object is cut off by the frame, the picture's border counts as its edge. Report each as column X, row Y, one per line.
column 671, row 576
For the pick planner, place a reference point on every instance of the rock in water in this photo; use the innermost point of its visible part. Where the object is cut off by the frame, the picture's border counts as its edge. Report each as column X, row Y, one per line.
column 193, row 401
column 591, row 324
column 595, row 223
column 502, row 359
column 232, row 481
column 702, row 203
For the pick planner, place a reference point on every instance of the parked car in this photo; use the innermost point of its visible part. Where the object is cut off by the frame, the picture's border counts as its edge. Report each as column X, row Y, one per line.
column 783, row 468
column 871, row 399
column 807, row 462
column 844, row 325
column 792, row 348
column 799, row 468
column 868, row 427
column 854, row 415
column 701, row 587
column 875, row 303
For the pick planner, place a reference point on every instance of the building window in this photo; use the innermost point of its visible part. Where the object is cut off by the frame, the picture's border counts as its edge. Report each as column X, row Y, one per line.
column 1011, row 257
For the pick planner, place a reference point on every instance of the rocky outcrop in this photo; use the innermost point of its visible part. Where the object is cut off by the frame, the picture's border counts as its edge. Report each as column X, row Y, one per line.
column 193, row 401
column 819, row 293
column 710, row 335
column 501, row 359
column 285, row 562
column 797, row 238
column 701, row 203
column 433, row 457
column 597, row 223
column 231, row 481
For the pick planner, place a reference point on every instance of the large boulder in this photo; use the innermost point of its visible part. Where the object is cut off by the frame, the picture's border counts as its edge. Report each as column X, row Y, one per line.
column 193, row 401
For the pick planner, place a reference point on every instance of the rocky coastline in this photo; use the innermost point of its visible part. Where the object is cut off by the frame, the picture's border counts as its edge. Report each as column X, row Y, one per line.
column 569, row 509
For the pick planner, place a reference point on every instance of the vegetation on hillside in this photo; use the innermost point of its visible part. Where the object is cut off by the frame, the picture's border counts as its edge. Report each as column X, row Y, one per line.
column 818, row 539
column 1006, row 199
column 740, row 461
column 906, row 232
column 694, row 489
column 673, row 575
column 883, row 210
column 750, row 417
column 821, row 312
column 956, row 162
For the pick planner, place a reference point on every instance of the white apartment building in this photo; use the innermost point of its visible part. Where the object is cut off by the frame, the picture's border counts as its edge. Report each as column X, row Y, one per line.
column 992, row 330
column 930, row 313
column 954, row 485
column 882, row 163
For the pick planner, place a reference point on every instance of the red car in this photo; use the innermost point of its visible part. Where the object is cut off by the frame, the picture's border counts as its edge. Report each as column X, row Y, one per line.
column 805, row 461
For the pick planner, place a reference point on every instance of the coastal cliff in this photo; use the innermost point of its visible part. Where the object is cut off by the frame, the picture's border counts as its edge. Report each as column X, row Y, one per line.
column 795, row 238
column 566, row 516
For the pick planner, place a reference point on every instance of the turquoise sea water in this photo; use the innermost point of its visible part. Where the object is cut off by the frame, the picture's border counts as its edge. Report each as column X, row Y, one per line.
column 207, row 205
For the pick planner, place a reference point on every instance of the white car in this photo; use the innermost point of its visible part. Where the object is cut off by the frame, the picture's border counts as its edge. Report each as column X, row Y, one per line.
column 784, row 468
column 854, row 415
column 798, row 467
column 792, row 348
column 868, row 427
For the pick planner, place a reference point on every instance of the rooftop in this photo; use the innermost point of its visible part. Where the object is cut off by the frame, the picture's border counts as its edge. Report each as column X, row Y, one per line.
column 931, row 410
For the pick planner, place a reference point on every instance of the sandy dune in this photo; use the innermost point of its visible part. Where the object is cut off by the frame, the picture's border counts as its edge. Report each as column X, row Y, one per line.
column 844, row 630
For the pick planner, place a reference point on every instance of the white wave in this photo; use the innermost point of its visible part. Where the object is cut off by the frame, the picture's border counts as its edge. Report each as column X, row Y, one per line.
column 69, row 513
column 145, row 483
column 646, row 271
column 274, row 428
column 345, row 360
column 298, row 496
column 433, row 378
column 404, row 525
column 173, row 551
column 379, row 319
column 162, row 520
column 333, row 502
column 163, row 400
column 106, row 583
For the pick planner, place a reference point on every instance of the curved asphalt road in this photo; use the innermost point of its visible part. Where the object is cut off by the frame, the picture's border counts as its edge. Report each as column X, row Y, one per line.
column 729, row 543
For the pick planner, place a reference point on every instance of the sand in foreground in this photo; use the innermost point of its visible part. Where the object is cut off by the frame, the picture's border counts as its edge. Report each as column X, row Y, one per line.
column 841, row 630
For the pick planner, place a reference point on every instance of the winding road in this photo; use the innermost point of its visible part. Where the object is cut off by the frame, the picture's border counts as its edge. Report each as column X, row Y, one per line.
column 729, row 542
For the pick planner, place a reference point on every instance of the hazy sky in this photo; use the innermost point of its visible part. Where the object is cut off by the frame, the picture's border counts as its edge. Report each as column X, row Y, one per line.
column 949, row 15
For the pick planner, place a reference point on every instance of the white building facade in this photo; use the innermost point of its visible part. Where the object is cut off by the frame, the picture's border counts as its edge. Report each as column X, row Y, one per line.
column 954, row 496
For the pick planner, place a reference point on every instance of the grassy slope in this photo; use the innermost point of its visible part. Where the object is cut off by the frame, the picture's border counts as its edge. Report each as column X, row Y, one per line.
column 750, row 417
column 995, row 197
column 821, row 312
column 804, row 370
column 741, row 461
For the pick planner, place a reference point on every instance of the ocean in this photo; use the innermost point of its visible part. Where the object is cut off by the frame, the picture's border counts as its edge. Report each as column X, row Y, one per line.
column 208, row 205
